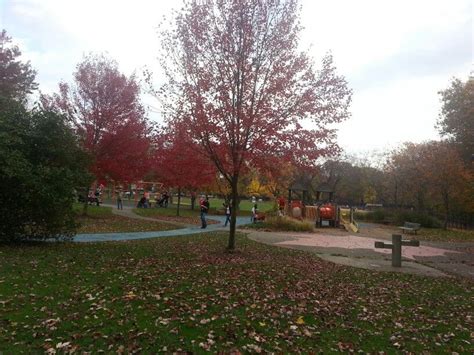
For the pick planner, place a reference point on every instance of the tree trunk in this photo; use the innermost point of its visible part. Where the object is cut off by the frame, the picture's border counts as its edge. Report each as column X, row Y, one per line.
column 193, row 200
column 233, row 217
column 179, row 201
column 395, row 197
column 86, row 201
column 446, row 208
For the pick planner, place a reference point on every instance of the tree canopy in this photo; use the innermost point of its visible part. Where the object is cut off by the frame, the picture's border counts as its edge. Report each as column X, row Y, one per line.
column 239, row 85
column 105, row 109
column 17, row 78
column 431, row 177
column 456, row 119
column 178, row 163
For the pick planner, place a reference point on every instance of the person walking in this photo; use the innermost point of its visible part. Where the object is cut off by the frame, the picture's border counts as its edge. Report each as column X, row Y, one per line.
column 166, row 198
column 119, row 200
column 204, row 203
column 254, row 213
column 228, row 212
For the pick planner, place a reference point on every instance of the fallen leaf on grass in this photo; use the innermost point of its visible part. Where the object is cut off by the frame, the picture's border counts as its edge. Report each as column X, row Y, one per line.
column 129, row 296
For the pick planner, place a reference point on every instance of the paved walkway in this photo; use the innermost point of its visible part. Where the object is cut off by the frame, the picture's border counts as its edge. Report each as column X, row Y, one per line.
column 186, row 230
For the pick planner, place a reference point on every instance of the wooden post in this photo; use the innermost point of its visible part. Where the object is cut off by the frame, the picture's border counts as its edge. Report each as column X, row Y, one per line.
column 397, row 250
column 396, row 247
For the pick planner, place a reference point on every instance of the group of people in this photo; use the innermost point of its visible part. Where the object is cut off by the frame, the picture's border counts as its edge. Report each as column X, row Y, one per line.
column 92, row 198
column 204, row 205
column 163, row 200
column 144, row 201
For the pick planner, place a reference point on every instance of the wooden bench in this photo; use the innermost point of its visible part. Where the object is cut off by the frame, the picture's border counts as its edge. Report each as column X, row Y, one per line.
column 409, row 227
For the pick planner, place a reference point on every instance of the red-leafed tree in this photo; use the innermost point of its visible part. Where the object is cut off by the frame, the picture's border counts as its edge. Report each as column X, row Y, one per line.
column 243, row 90
column 179, row 162
column 104, row 107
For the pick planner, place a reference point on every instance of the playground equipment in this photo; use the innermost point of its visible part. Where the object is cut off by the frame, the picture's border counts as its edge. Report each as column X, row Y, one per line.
column 327, row 211
column 324, row 212
column 348, row 221
column 297, row 200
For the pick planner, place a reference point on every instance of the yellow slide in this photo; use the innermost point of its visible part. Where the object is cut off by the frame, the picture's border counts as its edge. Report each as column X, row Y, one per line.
column 345, row 220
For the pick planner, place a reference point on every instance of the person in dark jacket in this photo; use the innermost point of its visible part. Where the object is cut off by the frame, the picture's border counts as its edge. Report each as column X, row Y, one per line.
column 204, row 203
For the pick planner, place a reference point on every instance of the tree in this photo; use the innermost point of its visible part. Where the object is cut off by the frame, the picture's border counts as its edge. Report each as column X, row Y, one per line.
column 180, row 164
column 457, row 116
column 255, row 188
column 104, row 107
column 446, row 177
column 17, row 79
column 406, row 170
column 244, row 92
column 40, row 166
column 353, row 181
column 344, row 179
column 278, row 177
column 432, row 177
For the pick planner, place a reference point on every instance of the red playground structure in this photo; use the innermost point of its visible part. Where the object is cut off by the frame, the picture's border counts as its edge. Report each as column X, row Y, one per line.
column 327, row 211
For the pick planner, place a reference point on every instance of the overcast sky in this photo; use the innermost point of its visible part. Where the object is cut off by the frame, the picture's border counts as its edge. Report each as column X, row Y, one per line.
column 396, row 55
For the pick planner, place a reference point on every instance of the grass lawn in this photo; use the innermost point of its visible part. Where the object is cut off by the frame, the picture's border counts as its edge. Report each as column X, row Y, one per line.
column 186, row 294
column 216, row 204
column 245, row 205
column 441, row 235
column 93, row 211
column 186, row 215
column 101, row 220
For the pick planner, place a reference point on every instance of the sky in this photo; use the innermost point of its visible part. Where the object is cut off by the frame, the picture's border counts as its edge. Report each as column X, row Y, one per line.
column 395, row 55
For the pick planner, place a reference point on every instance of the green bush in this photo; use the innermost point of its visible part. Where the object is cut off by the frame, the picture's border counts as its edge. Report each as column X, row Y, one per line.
column 284, row 223
column 377, row 216
column 424, row 219
column 40, row 164
column 398, row 217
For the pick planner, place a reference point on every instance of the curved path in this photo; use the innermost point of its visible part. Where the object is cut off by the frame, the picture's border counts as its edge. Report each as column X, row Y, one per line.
column 187, row 230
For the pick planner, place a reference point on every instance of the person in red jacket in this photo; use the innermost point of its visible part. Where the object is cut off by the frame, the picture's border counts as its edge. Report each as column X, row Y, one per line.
column 281, row 206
